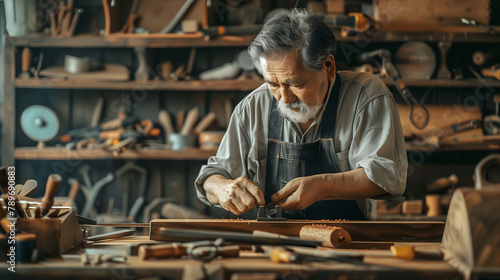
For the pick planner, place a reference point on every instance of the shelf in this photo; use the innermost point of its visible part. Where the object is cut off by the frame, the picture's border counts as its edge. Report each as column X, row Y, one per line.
column 222, row 85
column 193, row 85
column 486, row 146
column 469, row 83
column 129, row 41
column 197, row 40
column 58, row 153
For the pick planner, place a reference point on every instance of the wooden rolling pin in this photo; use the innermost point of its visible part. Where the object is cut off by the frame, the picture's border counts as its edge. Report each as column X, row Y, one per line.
column 53, row 183
column 331, row 236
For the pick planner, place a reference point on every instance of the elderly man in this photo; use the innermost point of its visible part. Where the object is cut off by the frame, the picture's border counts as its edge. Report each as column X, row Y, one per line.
column 320, row 140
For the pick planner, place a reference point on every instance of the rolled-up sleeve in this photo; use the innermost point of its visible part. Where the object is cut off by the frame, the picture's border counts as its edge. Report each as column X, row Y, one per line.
column 378, row 144
column 230, row 158
column 243, row 149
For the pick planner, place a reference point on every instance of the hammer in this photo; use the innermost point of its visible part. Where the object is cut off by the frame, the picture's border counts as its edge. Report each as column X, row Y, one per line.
column 53, row 183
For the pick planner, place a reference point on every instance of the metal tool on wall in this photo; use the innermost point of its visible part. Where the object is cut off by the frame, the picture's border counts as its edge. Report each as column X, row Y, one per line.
column 126, row 177
column 419, row 116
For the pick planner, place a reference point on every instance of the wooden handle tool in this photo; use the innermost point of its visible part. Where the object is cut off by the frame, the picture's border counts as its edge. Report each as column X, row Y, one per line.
column 181, row 116
column 191, row 119
column 4, row 223
column 410, row 253
column 53, row 183
column 331, row 236
column 25, row 63
column 205, row 122
column 29, row 187
column 162, row 251
column 442, row 183
column 166, row 121
column 281, row 255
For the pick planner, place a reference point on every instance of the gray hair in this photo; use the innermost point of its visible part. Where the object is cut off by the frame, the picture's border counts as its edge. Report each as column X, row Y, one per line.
column 295, row 31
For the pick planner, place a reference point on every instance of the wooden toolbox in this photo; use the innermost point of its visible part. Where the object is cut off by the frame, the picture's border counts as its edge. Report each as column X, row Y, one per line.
column 54, row 236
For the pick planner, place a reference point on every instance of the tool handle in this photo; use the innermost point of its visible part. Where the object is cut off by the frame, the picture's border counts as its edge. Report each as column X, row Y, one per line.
column 26, row 59
column 229, row 251
column 205, row 122
column 162, row 251
column 166, row 121
column 280, row 255
column 53, row 183
column 443, row 182
column 191, row 119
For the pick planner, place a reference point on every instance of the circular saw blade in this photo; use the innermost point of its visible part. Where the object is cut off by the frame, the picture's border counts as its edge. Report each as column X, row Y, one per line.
column 39, row 123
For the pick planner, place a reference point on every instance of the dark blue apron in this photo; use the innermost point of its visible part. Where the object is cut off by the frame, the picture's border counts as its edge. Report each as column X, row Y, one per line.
column 286, row 161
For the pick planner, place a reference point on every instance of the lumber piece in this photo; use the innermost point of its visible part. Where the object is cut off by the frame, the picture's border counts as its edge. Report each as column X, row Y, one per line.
column 391, row 231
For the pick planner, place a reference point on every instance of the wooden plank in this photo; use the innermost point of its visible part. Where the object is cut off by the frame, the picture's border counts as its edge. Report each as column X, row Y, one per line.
column 57, row 153
column 195, row 85
column 390, row 231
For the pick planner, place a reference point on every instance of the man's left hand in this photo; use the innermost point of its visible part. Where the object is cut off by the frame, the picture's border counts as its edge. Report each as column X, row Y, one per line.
column 304, row 192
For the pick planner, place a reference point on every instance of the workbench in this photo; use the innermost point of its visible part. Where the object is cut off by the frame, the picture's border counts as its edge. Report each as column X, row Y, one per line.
column 376, row 264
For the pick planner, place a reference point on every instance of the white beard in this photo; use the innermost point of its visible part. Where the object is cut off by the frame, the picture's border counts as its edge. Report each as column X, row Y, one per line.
column 305, row 113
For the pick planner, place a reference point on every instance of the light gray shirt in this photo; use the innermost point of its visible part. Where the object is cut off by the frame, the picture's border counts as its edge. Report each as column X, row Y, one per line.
column 368, row 135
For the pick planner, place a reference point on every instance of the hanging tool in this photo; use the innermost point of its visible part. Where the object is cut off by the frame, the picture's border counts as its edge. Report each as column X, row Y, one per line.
column 130, row 168
column 472, row 22
column 419, row 116
column 94, row 192
column 492, row 122
column 130, row 24
column 170, row 26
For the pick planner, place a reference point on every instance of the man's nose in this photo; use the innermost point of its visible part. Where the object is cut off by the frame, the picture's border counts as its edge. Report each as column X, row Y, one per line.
column 286, row 94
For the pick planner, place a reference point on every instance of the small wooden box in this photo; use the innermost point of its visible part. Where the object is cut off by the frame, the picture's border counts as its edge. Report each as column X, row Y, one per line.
column 54, row 236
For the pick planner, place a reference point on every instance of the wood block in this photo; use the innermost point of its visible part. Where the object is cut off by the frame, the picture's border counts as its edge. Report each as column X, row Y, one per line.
column 441, row 116
column 392, row 231
column 54, row 236
column 380, row 208
column 189, row 26
column 411, row 207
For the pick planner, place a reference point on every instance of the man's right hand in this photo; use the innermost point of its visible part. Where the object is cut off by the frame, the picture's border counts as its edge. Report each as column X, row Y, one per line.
column 237, row 196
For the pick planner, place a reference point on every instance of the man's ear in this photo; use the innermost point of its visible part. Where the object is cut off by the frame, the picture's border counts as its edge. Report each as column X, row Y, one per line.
column 330, row 67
